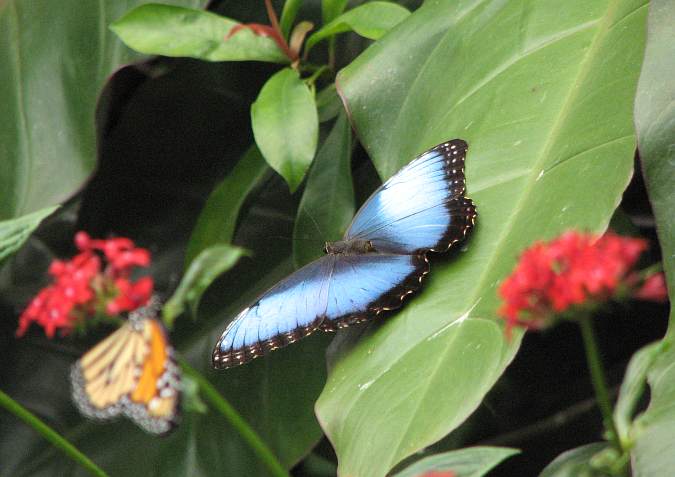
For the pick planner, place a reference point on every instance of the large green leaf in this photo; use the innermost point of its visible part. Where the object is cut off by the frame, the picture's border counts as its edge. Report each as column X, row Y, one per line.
column 543, row 95
column 654, row 431
column 286, row 125
column 14, row 232
column 167, row 30
column 218, row 219
column 371, row 20
column 327, row 205
column 154, row 149
column 54, row 59
column 203, row 270
column 469, row 462
column 575, row 462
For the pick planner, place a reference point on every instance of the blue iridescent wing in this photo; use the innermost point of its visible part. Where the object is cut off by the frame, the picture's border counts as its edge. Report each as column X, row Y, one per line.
column 420, row 208
column 363, row 286
column 332, row 292
column 290, row 310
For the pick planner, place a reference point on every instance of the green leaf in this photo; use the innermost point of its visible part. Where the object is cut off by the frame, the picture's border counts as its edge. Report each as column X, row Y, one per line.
column 328, row 103
column 218, row 219
column 535, row 92
column 49, row 434
column 330, row 9
column 156, row 29
column 288, row 15
column 286, row 125
column 632, row 388
column 54, row 59
column 206, row 267
column 14, row 232
column 327, row 205
column 654, row 431
column 371, row 20
column 573, row 463
column 469, row 462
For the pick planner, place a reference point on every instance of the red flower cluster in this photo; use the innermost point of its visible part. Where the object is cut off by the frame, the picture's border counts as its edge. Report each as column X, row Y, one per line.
column 96, row 281
column 573, row 269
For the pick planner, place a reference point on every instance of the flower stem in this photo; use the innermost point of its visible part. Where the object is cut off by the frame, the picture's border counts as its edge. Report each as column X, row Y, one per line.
column 221, row 405
column 598, row 379
column 50, row 434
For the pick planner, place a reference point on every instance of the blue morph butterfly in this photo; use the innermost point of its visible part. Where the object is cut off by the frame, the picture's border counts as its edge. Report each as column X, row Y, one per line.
column 380, row 260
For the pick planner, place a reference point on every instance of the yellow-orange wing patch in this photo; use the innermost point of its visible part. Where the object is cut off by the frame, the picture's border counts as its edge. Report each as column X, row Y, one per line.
column 131, row 372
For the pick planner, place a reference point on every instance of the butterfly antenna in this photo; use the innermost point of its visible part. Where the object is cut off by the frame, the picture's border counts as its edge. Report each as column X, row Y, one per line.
column 316, row 224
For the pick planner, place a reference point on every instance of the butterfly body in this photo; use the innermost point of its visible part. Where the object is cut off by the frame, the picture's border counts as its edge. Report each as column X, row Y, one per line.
column 380, row 260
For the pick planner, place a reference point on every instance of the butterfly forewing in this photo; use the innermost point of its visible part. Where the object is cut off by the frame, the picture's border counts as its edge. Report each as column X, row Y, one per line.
column 287, row 312
column 419, row 208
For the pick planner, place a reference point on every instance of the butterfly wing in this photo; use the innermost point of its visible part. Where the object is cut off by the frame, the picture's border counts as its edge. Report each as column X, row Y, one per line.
column 420, row 208
column 363, row 286
column 290, row 310
column 131, row 372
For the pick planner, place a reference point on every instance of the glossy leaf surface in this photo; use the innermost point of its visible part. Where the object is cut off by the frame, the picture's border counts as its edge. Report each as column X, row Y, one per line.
column 370, row 20
column 218, row 218
column 206, row 267
column 654, row 431
column 286, row 125
column 469, row 462
column 14, row 232
column 54, row 59
column 167, row 30
column 573, row 463
column 536, row 94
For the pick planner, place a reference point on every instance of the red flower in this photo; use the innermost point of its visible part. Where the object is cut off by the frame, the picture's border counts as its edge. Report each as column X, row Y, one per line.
column 572, row 270
column 653, row 289
column 97, row 278
column 130, row 295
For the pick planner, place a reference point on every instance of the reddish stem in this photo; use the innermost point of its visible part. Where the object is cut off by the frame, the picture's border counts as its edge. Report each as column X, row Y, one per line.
column 278, row 36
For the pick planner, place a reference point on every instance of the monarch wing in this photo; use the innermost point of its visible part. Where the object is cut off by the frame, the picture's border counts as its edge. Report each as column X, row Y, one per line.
column 290, row 310
column 131, row 372
column 362, row 286
column 420, row 208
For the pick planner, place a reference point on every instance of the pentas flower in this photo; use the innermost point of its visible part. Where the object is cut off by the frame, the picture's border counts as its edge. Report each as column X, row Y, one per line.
column 574, row 270
column 96, row 281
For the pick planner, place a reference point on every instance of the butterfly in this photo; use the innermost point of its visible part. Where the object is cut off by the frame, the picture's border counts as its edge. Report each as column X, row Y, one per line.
column 131, row 372
column 381, row 259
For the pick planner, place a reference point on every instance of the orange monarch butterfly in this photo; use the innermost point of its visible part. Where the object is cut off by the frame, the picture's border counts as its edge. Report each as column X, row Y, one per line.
column 131, row 372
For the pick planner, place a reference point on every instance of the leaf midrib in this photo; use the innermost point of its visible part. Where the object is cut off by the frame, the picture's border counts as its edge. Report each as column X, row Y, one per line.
column 556, row 130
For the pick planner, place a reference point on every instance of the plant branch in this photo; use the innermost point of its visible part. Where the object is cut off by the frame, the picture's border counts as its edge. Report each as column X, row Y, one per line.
column 50, row 434
column 598, row 379
column 281, row 40
column 220, row 404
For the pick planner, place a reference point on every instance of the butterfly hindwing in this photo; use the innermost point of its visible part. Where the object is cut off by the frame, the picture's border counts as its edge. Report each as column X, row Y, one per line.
column 362, row 286
column 131, row 372
column 420, row 208
column 287, row 312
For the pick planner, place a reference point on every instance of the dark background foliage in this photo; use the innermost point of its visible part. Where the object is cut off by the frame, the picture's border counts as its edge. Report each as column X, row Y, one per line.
column 169, row 130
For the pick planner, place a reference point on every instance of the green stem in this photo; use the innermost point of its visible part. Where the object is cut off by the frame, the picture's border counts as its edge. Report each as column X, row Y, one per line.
column 312, row 79
column 50, row 434
column 221, row 405
column 598, row 379
column 331, row 53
